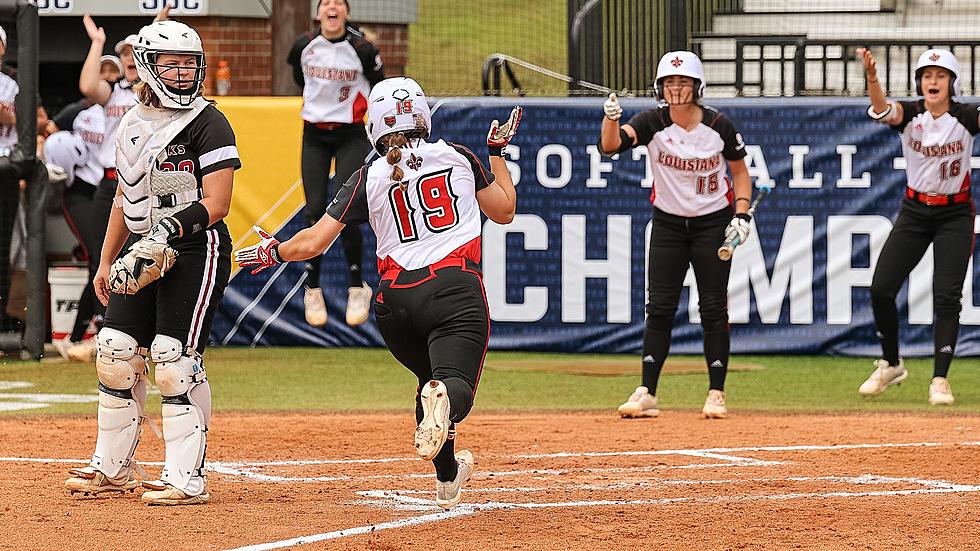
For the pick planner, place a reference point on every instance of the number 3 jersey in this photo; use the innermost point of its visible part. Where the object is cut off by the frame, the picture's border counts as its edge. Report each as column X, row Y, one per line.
column 690, row 177
column 426, row 217
column 937, row 150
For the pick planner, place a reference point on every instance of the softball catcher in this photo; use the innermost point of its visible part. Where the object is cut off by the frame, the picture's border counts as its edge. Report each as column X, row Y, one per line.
column 176, row 158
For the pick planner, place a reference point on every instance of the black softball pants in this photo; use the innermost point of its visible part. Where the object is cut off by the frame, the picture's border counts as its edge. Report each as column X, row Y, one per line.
column 949, row 228
column 677, row 242
column 347, row 146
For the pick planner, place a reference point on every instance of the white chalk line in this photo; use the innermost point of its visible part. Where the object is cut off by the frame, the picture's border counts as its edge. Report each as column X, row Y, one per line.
column 733, row 450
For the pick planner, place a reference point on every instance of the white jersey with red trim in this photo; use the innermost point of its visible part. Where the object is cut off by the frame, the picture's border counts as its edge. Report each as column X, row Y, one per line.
column 690, row 175
column 8, row 93
column 429, row 215
column 336, row 76
column 121, row 100
column 89, row 125
column 937, row 150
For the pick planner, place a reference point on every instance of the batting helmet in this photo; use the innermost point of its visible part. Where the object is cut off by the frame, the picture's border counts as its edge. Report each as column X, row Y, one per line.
column 938, row 58
column 397, row 105
column 682, row 63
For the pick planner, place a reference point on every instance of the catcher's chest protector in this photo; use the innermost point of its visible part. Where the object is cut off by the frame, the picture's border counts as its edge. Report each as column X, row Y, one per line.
column 142, row 142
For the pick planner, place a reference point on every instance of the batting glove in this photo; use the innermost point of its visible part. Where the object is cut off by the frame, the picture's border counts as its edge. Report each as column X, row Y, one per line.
column 611, row 107
column 263, row 255
column 500, row 135
column 740, row 226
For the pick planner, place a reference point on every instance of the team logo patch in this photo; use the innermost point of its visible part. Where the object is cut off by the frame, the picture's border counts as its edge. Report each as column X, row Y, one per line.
column 934, row 57
column 414, row 162
column 389, row 121
column 677, row 62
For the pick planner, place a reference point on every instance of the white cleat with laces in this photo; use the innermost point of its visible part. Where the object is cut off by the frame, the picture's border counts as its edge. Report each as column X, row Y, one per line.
column 940, row 394
column 714, row 405
column 314, row 307
column 640, row 404
column 358, row 304
column 882, row 377
column 448, row 494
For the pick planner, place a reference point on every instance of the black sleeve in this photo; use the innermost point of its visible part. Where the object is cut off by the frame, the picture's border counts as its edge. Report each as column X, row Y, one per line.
column 967, row 114
column 213, row 139
column 734, row 148
column 350, row 206
column 646, row 124
column 374, row 70
column 909, row 110
column 295, row 53
column 65, row 118
column 481, row 175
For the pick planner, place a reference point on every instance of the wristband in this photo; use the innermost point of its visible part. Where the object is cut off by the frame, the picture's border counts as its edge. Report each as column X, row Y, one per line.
column 192, row 219
column 879, row 116
column 746, row 199
column 496, row 150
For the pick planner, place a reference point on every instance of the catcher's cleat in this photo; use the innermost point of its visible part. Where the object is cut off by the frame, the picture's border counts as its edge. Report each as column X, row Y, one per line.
column 714, row 405
column 315, row 309
column 87, row 481
column 358, row 304
column 161, row 493
column 882, row 377
column 448, row 494
column 432, row 432
column 640, row 404
column 940, row 393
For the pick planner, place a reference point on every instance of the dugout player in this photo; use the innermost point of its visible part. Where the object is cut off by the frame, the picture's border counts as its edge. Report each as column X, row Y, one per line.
column 176, row 157
column 692, row 147
column 937, row 141
column 336, row 67
column 430, row 305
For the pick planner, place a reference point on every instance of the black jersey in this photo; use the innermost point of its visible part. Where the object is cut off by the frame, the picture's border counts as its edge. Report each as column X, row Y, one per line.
column 205, row 146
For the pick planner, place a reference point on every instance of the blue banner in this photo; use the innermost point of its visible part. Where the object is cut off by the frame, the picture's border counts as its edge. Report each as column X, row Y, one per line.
column 569, row 273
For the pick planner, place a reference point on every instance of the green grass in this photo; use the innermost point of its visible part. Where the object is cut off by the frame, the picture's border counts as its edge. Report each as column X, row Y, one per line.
column 330, row 380
column 450, row 41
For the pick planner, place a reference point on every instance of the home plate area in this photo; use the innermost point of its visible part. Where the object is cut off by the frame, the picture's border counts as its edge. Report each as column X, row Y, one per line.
column 610, row 479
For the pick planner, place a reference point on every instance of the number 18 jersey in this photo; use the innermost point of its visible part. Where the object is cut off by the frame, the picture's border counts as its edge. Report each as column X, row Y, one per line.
column 427, row 216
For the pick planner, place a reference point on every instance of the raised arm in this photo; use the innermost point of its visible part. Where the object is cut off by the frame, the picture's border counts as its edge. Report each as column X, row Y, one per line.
column 498, row 199
column 89, row 83
column 882, row 110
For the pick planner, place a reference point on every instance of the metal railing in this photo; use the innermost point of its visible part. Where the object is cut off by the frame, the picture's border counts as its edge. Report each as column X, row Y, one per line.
column 798, row 66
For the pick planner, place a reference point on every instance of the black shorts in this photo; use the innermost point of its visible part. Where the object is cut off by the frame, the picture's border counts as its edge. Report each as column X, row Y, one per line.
column 436, row 322
column 182, row 303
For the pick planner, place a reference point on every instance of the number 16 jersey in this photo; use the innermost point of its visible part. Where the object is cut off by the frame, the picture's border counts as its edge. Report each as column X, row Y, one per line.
column 430, row 214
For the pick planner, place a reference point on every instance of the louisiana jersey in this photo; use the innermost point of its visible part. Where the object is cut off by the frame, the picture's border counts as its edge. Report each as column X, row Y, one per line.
column 423, row 219
column 938, row 150
column 121, row 100
column 336, row 76
column 690, row 177
column 8, row 132
column 89, row 125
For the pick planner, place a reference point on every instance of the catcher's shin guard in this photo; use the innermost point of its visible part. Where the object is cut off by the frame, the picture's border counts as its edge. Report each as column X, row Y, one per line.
column 186, row 414
column 122, row 396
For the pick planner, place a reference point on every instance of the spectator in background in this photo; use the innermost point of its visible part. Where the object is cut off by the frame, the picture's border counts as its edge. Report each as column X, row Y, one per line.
column 337, row 67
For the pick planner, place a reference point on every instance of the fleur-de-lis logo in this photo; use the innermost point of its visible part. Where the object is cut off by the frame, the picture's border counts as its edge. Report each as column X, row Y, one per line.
column 677, row 62
column 934, row 57
column 414, row 162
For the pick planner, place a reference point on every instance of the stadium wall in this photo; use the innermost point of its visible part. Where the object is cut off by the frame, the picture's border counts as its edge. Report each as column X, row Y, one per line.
column 569, row 273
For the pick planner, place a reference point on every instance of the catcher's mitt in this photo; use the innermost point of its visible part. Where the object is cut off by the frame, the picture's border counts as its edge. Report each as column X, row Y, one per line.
column 146, row 262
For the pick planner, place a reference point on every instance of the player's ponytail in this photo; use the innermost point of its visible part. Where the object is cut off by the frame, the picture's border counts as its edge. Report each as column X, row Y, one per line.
column 395, row 142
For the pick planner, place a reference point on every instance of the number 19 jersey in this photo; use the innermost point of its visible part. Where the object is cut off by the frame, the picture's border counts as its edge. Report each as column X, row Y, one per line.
column 427, row 216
